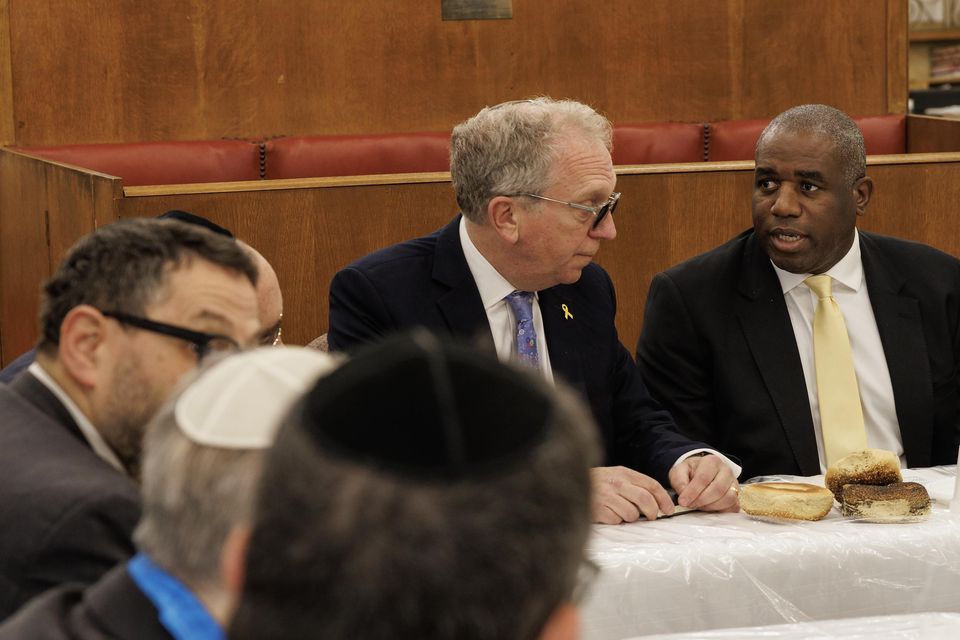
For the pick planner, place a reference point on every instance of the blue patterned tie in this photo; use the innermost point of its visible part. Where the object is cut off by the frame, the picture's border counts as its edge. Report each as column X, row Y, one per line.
column 522, row 304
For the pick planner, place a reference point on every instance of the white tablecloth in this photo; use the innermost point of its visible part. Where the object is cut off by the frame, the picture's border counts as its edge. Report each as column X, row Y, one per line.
column 704, row 571
column 911, row 626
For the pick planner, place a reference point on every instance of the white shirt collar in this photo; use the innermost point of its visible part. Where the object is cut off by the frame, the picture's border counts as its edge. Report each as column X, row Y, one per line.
column 848, row 271
column 493, row 287
column 96, row 441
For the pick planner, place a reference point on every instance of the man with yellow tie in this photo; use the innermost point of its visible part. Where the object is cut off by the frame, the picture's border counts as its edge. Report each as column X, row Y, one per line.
column 803, row 339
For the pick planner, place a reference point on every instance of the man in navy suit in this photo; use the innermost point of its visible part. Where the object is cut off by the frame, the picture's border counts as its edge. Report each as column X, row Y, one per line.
column 727, row 341
column 535, row 184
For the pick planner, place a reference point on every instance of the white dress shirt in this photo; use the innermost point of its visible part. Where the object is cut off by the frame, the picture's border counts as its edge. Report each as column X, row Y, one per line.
column 869, row 363
column 93, row 437
column 493, row 289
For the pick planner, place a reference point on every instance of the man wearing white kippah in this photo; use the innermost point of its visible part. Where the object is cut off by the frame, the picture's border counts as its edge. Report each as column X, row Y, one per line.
column 202, row 458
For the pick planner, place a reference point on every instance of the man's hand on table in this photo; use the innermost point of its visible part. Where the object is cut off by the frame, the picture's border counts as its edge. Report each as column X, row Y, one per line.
column 705, row 483
column 624, row 495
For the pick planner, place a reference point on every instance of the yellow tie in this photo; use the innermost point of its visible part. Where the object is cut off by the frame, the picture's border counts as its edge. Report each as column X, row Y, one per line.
column 841, row 416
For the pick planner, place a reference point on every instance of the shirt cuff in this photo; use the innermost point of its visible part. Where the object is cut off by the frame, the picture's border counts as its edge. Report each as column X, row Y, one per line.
column 737, row 469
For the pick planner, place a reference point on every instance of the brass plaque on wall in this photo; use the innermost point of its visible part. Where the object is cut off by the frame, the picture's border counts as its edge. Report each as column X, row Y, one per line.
column 476, row 9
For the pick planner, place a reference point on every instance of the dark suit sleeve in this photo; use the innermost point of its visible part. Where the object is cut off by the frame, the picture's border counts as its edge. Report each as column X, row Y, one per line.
column 956, row 357
column 358, row 314
column 672, row 362
column 644, row 435
column 84, row 544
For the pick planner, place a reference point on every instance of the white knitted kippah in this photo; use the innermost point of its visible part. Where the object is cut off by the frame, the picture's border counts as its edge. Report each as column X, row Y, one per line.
column 238, row 403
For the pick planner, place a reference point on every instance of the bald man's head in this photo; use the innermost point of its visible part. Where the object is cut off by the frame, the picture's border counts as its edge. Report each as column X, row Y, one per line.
column 269, row 298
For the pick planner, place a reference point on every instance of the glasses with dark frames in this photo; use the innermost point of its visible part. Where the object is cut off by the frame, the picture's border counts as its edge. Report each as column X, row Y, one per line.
column 599, row 213
column 201, row 343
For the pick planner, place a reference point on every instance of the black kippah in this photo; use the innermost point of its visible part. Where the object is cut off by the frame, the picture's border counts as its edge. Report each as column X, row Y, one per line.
column 422, row 407
column 192, row 218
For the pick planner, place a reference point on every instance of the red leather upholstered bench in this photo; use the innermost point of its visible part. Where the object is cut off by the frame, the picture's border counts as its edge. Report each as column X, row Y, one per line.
column 657, row 142
column 150, row 163
column 312, row 156
column 315, row 156
column 737, row 139
column 153, row 163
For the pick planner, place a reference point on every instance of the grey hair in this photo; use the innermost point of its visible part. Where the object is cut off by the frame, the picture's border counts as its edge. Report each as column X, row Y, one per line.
column 343, row 549
column 124, row 267
column 193, row 496
column 510, row 148
column 827, row 121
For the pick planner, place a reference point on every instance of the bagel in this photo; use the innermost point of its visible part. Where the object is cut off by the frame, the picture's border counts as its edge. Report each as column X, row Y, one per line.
column 870, row 466
column 788, row 500
column 893, row 502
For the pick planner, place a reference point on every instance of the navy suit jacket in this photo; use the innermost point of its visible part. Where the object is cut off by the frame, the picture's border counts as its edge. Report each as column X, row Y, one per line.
column 426, row 283
column 718, row 349
column 67, row 515
column 12, row 370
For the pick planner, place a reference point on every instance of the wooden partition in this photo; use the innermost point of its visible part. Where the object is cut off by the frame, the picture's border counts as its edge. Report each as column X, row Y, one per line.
column 44, row 208
column 108, row 71
column 310, row 228
column 929, row 134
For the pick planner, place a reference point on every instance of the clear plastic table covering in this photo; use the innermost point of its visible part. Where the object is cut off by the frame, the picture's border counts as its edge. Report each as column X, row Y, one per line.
column 703, row 571
column 911, row 626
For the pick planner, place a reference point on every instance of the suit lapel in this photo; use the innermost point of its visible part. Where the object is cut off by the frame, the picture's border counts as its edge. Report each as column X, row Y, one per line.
column 461, row 306
column 562, row 329
column 37, row 394
column 766, row 326
column 905, row 348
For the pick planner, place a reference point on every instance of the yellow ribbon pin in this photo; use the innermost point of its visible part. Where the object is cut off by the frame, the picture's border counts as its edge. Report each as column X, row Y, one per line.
column 566, row 312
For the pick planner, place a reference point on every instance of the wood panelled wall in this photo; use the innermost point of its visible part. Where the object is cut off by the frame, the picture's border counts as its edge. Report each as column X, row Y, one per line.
column 126, row 70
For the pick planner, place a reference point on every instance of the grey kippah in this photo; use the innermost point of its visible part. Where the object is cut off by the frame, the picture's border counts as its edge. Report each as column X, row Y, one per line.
column 425, row 408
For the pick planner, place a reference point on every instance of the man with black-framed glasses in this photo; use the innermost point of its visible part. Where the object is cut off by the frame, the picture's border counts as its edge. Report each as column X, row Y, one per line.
column 133, row 306
column 535, row 184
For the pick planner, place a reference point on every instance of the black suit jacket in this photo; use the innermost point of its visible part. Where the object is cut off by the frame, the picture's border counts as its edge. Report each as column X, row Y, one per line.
column 112, row 609
column 426, row 282
column 67, row 515
column 717, row 348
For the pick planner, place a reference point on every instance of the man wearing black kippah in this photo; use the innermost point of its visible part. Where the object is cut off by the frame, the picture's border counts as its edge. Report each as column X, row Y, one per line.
column 430, row 513
column 535, row 184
